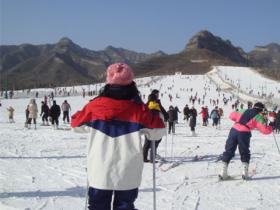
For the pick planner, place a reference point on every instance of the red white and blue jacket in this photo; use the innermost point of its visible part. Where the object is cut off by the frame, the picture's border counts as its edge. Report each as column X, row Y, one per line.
column 115, row 160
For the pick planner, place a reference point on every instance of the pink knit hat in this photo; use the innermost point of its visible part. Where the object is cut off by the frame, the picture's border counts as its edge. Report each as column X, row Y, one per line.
column 119, row 74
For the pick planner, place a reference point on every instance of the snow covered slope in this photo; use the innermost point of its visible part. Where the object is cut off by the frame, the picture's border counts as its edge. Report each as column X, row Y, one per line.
column 246, row 83
column 44, row 169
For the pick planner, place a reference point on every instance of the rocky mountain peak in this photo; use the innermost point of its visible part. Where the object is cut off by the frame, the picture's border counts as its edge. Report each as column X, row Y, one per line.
column 65, row 44
column 65, row 41
column 206, row 40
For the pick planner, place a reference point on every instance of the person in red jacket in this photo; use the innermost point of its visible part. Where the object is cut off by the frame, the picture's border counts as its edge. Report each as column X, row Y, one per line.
column 240, row 134
column 116, row 119
column 203, row 113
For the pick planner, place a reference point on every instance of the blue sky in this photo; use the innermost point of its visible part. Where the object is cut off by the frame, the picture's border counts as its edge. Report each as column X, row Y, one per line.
column 139, row 25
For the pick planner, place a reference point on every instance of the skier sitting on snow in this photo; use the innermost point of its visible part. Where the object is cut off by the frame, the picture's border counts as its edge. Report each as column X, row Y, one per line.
column 240, row 134
column 116, row 119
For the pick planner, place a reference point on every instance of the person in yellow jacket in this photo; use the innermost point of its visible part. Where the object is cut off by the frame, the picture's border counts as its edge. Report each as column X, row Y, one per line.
column 155, row 106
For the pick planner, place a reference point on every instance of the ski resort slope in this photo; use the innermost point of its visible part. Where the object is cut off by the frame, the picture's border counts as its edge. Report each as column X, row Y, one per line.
column 44, row 169
column 246, row 83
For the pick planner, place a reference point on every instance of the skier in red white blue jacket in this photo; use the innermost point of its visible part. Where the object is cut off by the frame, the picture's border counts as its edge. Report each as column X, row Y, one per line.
column 240, row 134
column 116, row 119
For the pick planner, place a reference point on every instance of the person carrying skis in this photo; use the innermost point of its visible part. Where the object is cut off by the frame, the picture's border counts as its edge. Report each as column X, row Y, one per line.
column 116, row 120
column 240, row 134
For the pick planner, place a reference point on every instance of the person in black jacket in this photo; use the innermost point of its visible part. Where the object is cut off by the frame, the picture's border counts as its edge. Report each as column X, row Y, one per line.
column 277, row 122
column 171, row 119
column 193, row 115
column 54, row 114
column 186, row 112
column 44, row 113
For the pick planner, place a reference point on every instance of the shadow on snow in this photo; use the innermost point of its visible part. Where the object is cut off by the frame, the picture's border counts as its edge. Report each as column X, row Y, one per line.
column 70, row 192
column 47, row 157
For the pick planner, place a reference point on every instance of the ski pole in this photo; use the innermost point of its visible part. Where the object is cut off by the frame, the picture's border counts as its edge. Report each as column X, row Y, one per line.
column 165, row 144
column 276, row 142
column 154, row 172
column 172, row 142
column 86, row 203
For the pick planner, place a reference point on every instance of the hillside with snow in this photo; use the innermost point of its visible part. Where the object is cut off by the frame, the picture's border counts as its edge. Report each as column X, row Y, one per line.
column 246, row 83
column 45, row 169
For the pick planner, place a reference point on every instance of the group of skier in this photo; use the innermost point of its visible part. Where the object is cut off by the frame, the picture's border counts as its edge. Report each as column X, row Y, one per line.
column 115, row 127
column 51, row 114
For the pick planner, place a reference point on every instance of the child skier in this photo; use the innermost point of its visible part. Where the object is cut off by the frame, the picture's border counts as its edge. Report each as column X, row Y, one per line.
column 240, row 134
column 11, row 110
column 116, row 119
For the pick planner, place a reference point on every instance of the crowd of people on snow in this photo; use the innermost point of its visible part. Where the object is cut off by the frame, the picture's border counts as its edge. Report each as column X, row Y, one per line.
column 48, row 114
column 121, row 130
column 118, row 117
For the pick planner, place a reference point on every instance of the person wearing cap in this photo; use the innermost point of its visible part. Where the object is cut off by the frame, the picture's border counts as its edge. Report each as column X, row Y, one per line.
column 240, row 134
column 116, row 119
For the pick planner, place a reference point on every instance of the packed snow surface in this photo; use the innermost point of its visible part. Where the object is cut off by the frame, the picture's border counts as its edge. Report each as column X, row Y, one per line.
column 44, row 169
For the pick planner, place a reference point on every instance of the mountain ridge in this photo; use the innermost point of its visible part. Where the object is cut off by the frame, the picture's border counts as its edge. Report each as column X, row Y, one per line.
column 66, row 63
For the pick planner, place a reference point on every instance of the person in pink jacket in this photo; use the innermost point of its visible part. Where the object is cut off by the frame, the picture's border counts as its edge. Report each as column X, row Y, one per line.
column 240, row 134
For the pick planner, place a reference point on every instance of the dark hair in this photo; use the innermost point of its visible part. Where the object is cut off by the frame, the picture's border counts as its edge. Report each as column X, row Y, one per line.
column 120, row 92
column 152, row 97
column 259, row 106
column 155, row 91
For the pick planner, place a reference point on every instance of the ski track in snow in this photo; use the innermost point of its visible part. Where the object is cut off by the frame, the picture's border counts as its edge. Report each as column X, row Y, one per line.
column 44, row 169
